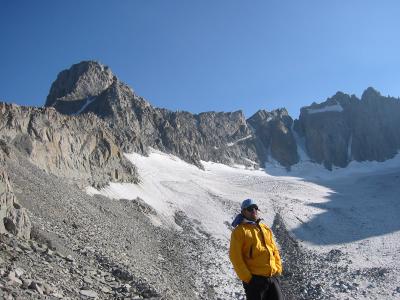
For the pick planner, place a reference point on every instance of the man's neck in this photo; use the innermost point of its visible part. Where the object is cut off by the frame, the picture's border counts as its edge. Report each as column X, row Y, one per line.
column 252, row 221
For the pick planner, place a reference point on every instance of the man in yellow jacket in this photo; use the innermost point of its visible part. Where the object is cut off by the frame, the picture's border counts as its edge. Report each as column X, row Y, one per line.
column 254, row 255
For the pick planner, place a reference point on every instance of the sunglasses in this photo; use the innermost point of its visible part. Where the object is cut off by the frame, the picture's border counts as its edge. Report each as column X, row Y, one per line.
column 251, row 208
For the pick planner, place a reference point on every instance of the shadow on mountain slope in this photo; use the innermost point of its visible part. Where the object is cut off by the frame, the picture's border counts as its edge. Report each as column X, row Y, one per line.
column 359, row 207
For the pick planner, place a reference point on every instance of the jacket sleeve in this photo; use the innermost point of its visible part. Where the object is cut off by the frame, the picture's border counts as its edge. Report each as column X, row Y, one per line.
column 277, row 257
column 236, row 255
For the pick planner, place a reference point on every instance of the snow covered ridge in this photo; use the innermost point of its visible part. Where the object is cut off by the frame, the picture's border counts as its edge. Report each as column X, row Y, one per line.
column 88, row 101
column 348, row 216
column 330, row 108
column 240, row 140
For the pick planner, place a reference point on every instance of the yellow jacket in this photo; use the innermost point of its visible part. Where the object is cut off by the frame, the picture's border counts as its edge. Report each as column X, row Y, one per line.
column 253, row 251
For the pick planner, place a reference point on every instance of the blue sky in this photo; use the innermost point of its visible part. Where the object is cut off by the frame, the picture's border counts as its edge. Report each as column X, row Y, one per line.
column 205, row 55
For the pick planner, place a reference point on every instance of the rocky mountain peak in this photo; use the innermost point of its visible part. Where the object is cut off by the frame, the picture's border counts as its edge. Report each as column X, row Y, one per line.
column 345, row 128
column 370, row 94
column 263, row 116
column 341, row 98
column 80, row 82
column 273, row 129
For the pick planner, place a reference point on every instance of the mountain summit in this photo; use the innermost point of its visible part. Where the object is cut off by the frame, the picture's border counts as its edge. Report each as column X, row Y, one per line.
column 81, row 82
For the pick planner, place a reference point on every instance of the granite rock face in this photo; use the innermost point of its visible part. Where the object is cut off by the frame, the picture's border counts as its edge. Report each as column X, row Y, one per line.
column 326, row 130
column 274, row 131
column 77, row 84
column 75, row 148
column 345, row 128
column 376, row 134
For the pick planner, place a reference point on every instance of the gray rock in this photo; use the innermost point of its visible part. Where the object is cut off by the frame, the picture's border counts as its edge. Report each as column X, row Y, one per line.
column 69, row 258
column 36, row 286
column 274, row 131
column 88, row 293
column 47, row 289
column 19, row 272
column 15, row 218
column 13, row 280
column 327, row 132
column 87, row 280
column 81, row 81
column 57, row 295
column 26, row 283
column 82, row 149
column 105, row 290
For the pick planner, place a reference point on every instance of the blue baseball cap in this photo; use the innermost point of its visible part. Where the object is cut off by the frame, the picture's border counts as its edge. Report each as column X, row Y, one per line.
column 248, row 202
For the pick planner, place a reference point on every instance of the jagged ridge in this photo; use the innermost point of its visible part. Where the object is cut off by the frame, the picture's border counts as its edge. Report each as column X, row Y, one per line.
column 339, row 130
column 222, row 137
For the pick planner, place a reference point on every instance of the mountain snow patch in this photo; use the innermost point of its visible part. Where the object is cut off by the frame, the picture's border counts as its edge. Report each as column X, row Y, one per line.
column 349, row 216
column 330, row 108
column 240, row 140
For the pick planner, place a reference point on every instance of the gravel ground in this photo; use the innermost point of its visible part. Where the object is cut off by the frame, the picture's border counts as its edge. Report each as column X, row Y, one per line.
column 96, row 248
column 314, row 276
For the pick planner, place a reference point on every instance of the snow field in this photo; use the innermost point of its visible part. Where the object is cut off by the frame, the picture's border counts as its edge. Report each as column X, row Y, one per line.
column 355, row 209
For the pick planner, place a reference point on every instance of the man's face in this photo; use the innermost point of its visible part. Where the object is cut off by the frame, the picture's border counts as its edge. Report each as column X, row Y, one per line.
column 251, row 213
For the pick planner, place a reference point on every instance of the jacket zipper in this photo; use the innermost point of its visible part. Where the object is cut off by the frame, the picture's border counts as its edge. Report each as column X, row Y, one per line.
column 262, row 236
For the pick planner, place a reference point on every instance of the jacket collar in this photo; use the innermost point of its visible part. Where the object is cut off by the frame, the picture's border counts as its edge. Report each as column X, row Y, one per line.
column 240, row 219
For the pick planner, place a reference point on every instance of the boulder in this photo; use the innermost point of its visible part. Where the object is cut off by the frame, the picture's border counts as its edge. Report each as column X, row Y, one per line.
column 13, row 218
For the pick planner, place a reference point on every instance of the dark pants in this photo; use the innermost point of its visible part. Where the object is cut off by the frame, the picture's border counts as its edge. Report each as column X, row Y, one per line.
column 263, row 288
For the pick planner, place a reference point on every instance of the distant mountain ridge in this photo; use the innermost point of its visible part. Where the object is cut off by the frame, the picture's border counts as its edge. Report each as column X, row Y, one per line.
column 341, row 129
column 335, row 132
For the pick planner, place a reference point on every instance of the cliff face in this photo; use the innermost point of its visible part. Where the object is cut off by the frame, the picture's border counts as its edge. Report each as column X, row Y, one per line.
column 78, row 148
column 375, row 127
column 345, row 128
column 273, row 129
